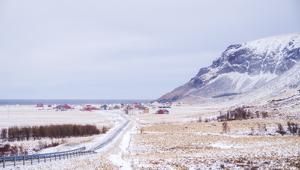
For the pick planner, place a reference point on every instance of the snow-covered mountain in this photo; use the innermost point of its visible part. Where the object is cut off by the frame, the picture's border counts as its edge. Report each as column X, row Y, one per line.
column 242, row 68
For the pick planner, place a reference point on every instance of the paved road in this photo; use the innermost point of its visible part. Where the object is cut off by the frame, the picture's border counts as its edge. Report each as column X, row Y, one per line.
column 112, row 135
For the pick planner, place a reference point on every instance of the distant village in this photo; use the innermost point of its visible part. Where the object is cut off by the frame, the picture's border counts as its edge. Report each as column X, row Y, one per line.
column 129, row 109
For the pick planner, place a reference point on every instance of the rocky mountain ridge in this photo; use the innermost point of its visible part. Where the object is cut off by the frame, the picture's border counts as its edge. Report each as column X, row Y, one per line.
column 242, row 68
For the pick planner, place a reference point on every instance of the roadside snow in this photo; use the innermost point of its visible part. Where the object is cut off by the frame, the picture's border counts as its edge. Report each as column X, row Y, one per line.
column 118, row 159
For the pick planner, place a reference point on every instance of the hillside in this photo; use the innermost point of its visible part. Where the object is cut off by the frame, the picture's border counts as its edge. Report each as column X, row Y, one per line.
column 245, row 68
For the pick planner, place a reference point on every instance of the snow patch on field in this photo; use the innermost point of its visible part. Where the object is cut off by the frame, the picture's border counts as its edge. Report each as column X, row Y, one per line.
column 224, row 145
column 118, row 159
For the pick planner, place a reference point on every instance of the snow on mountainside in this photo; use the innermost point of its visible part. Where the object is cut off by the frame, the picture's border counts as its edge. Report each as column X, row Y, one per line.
column 285, row 86
column 242, row 68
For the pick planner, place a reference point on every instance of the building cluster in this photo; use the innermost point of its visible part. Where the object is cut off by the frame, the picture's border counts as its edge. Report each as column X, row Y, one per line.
column 134, row 108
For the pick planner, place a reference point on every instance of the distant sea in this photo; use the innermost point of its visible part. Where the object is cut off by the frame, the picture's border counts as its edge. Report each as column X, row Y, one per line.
column 67, row 101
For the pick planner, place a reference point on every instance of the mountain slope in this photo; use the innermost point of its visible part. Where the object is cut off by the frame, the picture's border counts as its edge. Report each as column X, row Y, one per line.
column 242, row 68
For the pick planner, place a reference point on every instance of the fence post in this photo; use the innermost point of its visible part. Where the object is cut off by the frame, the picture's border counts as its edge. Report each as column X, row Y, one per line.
column 44, row 158
column 31, row 159
column 23, row 159
column 38, row 158
column 55, row 157
column 3, row 161
column 59, row 156
column 50, row 158
column 15, row 160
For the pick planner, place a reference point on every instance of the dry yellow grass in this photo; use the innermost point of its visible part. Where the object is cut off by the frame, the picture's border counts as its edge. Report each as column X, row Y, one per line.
column 214, row 127
column 204, row 144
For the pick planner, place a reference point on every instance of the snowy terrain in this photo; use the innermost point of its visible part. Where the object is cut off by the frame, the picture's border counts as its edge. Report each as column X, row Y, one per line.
column 29, row 115
column 242, row 68
column 22, row 115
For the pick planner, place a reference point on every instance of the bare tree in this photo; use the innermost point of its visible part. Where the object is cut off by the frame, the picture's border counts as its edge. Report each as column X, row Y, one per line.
column 4, row 134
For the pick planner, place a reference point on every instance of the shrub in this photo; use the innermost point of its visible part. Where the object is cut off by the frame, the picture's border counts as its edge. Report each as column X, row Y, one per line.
column 200, row 120
column 257, row 114
column 4, row 149
column 252, row 131
column 12, row 150
column 239, row 113
column 293, row 127
column 43, row 145
column 104, row 129
column 264, row 114
column 225, row 127
column 262, row 127
column 280, row 129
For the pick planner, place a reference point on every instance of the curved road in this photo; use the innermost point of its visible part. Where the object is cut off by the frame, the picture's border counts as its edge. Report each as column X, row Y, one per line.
column 110, row 137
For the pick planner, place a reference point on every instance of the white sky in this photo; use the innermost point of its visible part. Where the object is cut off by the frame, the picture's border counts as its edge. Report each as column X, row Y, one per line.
column 124, row 49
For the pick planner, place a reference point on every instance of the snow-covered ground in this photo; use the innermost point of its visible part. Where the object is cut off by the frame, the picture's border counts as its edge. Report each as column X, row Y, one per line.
column 109, row 156
column 23, row 115
column 28, row 115
column 179, row 141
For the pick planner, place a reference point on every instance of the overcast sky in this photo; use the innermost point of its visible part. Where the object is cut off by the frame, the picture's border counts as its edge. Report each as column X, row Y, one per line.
column 124, row 49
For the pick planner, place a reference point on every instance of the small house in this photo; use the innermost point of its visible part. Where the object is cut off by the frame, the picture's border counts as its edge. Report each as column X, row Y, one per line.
column 63, row 107
column 162, row 111
column 40, row 105
column 104, row 107
column 89, row 108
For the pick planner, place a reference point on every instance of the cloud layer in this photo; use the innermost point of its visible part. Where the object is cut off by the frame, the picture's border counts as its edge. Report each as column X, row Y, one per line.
column 124, row 48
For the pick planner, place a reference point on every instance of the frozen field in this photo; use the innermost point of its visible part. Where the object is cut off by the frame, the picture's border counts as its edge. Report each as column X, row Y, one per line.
column 25, row 115
column 193, row 146
column 14, row 115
